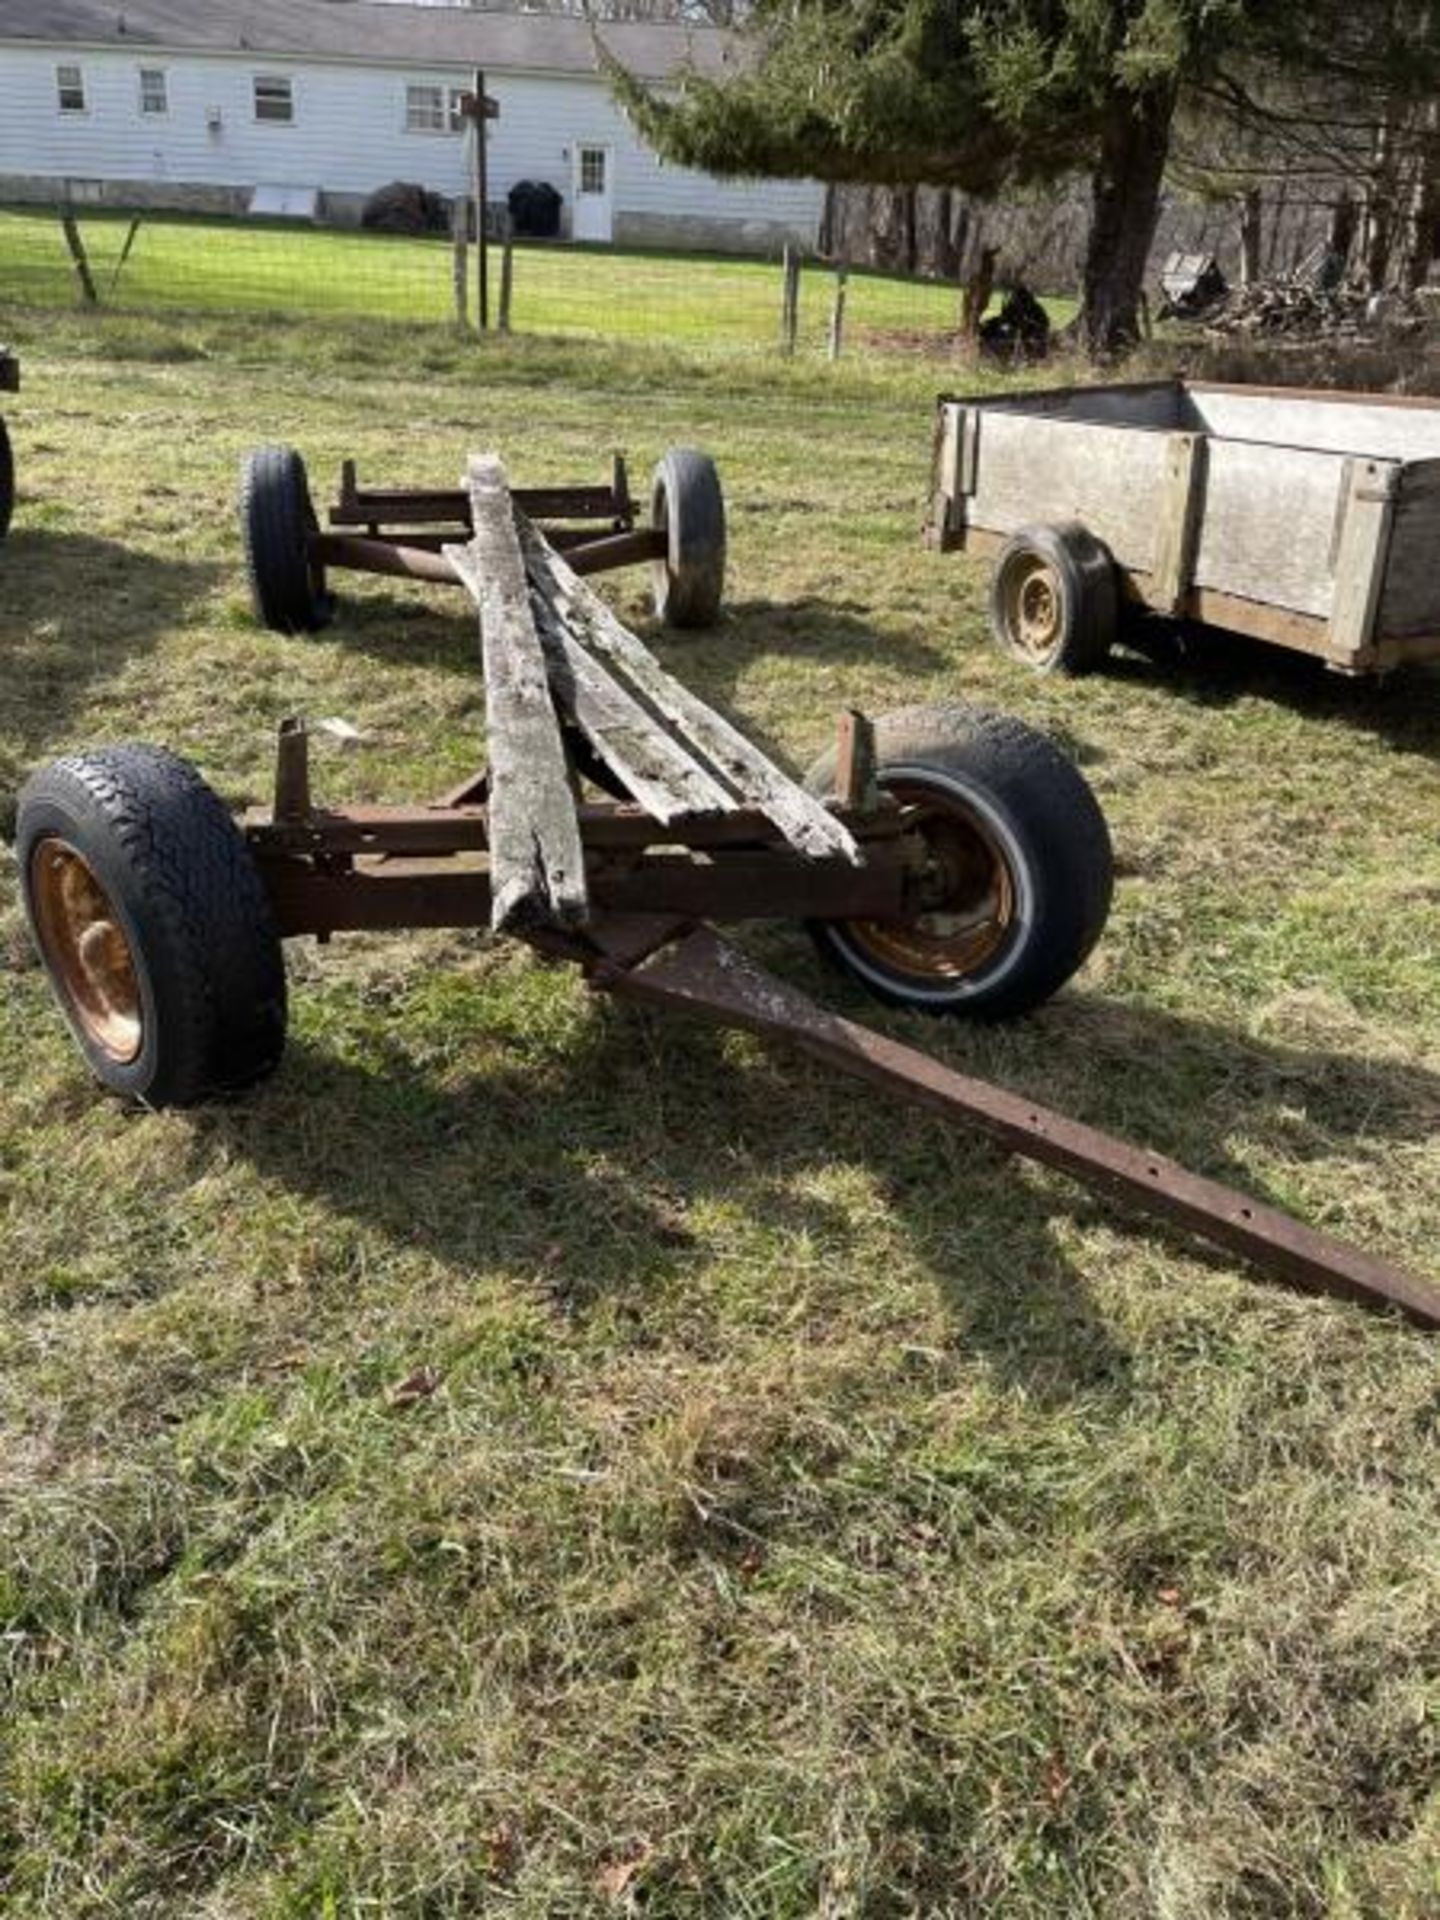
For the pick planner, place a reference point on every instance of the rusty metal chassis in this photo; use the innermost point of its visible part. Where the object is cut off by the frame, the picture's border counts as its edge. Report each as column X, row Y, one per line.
column 653, row 887
column 400, row 530
column 351, row 868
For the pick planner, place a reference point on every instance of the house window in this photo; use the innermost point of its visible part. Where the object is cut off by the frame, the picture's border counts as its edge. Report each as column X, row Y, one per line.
column 153, row 95
column 424, row 109
column 592, row 170
column 70, row 89
column 432, row 109
column 274, row 99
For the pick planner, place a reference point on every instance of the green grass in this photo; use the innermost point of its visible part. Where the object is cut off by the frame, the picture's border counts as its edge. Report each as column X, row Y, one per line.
column 224, row 266
column 815, row 1512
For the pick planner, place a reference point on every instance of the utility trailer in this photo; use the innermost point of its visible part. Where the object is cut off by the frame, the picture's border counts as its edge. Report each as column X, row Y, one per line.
column 9, row 383
column 1310, row 520
column 949, row 860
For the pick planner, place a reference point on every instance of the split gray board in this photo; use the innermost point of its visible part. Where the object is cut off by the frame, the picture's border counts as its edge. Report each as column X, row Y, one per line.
column 805, row 822
column 648, row 761
column 537, row 864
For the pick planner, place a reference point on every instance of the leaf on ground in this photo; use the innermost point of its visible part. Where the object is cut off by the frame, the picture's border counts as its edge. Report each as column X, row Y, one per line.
column 619, row 1873
column 416, row 1386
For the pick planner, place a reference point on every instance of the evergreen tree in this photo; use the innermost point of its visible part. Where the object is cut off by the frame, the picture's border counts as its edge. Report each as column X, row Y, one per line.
column 974, row 94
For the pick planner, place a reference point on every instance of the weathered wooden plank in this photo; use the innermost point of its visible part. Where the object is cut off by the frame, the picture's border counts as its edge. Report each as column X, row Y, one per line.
column 648, row 761
column 1031, row 469
column 1268, row 524
column 1178, row 521
column 1361, row 553
column 1367, row 424
column 803, row 820
column 537, row 863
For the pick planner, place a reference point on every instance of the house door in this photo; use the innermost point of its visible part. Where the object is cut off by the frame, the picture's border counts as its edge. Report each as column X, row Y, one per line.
column 594, row 194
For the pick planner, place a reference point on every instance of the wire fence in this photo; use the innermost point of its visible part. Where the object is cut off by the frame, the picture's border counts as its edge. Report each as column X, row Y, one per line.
column 53, row 258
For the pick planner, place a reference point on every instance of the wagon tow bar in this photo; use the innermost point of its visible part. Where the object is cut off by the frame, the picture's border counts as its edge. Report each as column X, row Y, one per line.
column 694, row 970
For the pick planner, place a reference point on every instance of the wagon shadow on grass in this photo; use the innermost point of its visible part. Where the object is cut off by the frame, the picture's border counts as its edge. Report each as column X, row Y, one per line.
column 583, row 1170
column 1211, row 668
column 74, row 611
column 590, row 1174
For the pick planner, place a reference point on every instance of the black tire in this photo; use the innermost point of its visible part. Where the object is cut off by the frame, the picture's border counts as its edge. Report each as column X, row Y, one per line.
column 1054, row 603
column 7, row 481
column 687, row 504
column 1017, row 854
column 178, row 917
column 287, row 588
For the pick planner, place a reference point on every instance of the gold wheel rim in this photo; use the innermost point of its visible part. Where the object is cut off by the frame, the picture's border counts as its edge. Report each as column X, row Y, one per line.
column 86, row 950
column 1033, row 606
column 966, row 889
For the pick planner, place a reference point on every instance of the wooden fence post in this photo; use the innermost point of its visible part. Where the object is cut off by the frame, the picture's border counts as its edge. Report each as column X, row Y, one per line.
column 460, row 235
column 789, row 299
column 837, row 310
column 81, row 259
column 482, row 188
column 507, row 281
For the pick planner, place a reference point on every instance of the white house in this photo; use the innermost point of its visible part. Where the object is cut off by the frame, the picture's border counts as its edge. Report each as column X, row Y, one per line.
column 196, row 103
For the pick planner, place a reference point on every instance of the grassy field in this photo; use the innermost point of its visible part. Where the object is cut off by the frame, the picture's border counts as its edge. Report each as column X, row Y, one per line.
column 221, row 266
column 532, row 1458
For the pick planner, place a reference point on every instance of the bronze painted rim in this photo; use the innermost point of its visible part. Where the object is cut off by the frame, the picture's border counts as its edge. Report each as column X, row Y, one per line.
column 1032, row 605
column 966, row 889
column 86, row 950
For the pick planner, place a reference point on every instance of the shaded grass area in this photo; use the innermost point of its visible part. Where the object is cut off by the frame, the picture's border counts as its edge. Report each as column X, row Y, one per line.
column 534, row 1457
column 227, row 266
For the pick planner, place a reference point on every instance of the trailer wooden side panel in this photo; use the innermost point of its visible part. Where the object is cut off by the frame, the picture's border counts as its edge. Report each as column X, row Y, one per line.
column 1044, row 469
column 1383, row 426
column 1269, row 524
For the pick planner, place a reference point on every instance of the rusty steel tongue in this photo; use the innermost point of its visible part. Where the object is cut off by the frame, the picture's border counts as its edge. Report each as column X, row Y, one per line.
column 704, row 974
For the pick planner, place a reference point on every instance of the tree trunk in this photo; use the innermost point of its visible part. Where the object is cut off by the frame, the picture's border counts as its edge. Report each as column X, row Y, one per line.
column 1249, row 209
column 1125, row 186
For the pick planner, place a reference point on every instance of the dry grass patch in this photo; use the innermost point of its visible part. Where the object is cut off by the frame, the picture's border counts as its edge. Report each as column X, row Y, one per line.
column 536, row 1458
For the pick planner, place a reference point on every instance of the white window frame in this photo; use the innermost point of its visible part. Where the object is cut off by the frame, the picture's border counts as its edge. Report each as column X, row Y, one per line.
column 447, row 116
column 64, row 86
column 589, row 149
column 285, row 80
column 162, row 74
column 434, row 116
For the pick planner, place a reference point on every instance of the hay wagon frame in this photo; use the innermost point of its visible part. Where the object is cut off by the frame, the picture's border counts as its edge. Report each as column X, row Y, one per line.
column 949, row 860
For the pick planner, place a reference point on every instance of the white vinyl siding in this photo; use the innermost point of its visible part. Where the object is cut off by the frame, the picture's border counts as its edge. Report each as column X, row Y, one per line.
column 154, row 94
column 347, row 134
column 70, row 89
column 274, row 98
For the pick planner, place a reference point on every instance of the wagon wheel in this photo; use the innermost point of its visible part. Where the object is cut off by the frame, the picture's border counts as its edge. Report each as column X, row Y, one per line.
column 153, row 925
column 1053, row 600
column 686, row 504
column 1010, row 861
column 287, row 584
column 7, row 481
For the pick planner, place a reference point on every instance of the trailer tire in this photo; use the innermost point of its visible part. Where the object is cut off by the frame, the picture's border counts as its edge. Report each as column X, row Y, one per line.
column 153, row 924
column 1054, row 603
column 7, row 481
column 1018, row 863
column 287, row 588
column 686, row 504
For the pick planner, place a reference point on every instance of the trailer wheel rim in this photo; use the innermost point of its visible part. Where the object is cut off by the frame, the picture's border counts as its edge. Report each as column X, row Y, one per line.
column 1032, row 605
column 967, row 891
column 86, row 950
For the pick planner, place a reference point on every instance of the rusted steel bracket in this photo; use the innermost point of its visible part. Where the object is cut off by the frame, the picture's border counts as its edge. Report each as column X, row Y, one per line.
column 704, row 974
